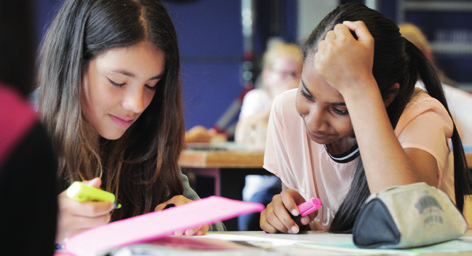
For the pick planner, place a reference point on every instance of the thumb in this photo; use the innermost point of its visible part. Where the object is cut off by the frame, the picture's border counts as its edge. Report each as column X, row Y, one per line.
column 96, row 182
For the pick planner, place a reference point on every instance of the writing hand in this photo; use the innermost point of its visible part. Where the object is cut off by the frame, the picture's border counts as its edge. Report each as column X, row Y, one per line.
column 180, row 200
column 75, row 217
column 277, row 217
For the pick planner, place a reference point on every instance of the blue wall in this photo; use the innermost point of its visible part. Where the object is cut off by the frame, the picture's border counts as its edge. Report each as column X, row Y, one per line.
column 211, row 46
column 211, row 43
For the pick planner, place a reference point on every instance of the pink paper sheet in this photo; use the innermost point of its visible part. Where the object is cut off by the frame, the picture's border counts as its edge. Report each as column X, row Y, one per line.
column 158, row 224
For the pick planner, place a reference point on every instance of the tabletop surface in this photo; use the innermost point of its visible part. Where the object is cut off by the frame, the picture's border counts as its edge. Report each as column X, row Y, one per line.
column 256, row 243
column 226, row 155
column 230, row 155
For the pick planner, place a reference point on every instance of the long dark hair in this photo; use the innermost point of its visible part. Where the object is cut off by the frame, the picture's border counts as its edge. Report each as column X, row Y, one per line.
column 396, row 60
column 141, row 168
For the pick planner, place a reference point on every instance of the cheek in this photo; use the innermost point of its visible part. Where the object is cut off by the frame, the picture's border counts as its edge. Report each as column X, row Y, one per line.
column 86, row 99
column 301, row 107
column 148, row 96
column 344, row 126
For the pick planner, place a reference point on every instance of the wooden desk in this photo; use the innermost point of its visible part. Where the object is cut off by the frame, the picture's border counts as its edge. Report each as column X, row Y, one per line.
column 468, row 156
column 231, row 158
column 228, row 165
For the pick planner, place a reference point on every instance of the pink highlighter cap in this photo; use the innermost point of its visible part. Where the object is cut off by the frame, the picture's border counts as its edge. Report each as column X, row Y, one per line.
column 309, row 206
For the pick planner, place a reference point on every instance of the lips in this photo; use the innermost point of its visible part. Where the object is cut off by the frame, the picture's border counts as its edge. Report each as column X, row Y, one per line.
column 319, row 136
column 123, row 122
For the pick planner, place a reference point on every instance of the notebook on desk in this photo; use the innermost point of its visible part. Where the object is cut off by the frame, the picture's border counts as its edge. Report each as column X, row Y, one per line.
column 154, row 225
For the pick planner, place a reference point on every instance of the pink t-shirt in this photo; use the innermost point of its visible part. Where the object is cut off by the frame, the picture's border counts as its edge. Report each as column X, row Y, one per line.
column 306, row 166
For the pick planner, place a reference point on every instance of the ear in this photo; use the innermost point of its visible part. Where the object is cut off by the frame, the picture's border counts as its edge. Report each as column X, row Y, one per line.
column 391, row 94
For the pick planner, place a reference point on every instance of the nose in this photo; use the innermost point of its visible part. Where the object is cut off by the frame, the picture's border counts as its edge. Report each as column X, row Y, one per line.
column 134, row 100
column 316, row 119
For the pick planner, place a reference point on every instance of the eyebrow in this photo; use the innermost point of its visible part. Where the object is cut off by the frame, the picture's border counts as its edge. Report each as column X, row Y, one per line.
column 126, row 73
column 332, row 103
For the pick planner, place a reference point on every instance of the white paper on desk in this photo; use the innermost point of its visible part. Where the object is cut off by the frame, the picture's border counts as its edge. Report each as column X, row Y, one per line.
column 157, row 224
column 454, row 246
column 192, row 246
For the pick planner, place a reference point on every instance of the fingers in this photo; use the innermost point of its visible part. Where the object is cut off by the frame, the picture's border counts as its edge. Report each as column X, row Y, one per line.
column 197, row 231
column 343, row 32
column 84, row 222
column 341, row 58
column 96, row 182
column 360, row 30
column 75, row 216
column 309, row 218
column 176, row 200
column 292, row 199
column 160, row 207
column 277, row 218
column 270, row 221
column 180, row 200
column 87, row 209
column 330, row 36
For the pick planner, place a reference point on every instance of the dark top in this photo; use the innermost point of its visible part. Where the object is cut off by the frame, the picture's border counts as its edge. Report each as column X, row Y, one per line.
column 27, row 180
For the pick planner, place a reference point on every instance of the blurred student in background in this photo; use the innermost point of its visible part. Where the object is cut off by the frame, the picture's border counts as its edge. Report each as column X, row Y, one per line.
column 281, row 68
column 459, row 101
column 27, row 161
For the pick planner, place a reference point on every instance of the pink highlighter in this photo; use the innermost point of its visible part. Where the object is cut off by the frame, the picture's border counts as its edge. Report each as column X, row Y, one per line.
column 309, row 206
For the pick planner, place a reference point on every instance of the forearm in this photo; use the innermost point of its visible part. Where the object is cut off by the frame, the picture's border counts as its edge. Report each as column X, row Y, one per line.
column 385, row 161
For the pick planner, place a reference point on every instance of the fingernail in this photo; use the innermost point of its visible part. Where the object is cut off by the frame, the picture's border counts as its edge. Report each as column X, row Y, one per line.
column 294, row 212
column 294, row 229
column 304, row 220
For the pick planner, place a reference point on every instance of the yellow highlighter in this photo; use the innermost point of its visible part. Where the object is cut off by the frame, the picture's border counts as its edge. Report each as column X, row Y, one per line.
column 84, row 193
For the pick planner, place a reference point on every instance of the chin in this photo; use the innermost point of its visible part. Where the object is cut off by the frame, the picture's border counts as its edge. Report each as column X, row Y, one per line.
column 112, row 136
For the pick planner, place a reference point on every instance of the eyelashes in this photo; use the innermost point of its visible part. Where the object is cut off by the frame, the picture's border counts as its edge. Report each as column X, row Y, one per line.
column 306, row 95
column 115, row 83
column 153, row 87
column 334, row 108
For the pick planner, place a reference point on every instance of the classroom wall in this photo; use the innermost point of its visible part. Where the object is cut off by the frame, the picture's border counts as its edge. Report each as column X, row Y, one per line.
column 211, row 43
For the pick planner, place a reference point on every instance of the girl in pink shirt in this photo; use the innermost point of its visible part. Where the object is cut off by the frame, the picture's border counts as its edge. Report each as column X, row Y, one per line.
column 356, row 124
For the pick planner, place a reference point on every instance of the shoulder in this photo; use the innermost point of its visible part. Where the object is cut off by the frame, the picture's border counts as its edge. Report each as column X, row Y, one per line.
column 284, row 116
column 258, row 92
column 287, row 98
column 257, row 95
column 422, row 104
column 285, row 102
